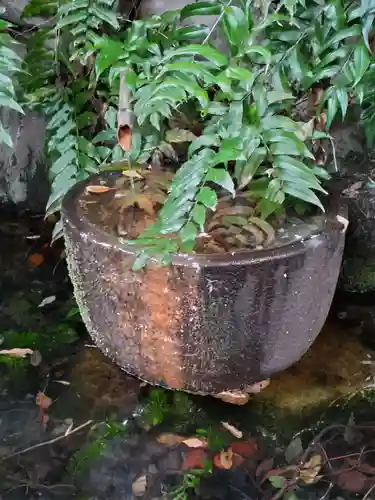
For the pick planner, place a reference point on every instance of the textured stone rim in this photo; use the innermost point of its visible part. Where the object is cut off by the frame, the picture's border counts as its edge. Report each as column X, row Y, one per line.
column 72, row 212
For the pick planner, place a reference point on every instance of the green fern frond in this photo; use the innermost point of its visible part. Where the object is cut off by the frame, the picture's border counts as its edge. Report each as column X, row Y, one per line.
column 73, row 156
column 39, row 68
column 10, row 64
column 41, row 8
column 85, row 19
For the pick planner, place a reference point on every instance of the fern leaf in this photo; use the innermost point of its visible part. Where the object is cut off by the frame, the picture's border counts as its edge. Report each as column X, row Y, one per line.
column 10, row 65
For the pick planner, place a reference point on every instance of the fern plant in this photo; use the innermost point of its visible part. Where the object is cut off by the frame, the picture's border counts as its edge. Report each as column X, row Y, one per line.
column 10, row 63
column 59, row 80
column 252, row 140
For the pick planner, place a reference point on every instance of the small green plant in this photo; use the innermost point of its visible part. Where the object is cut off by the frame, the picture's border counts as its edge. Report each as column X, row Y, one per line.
column 190, row 482
column 82, row 459
column 162, row 405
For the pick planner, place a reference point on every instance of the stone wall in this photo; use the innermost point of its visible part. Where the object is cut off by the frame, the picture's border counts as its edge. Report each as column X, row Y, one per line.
column 23, row 176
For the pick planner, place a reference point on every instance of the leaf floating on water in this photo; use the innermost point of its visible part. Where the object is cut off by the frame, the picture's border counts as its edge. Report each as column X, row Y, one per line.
column 258, row 387
column 132, row 174
column 195, row 458
column 43, row 401
column 265, row 227
column 352, row 481
column 98, row 189
column 47, row 300
column 195, row 442
column 224, row 460
column 233, row 430
column 234, row 397
column 139, row 486
column 308, row 474
column 17, row 352
column 342, row 220
column 246, row 449
column 170, row 439
column 179, row 135
column 35, row 259
column 35, row 358
column 145, row 203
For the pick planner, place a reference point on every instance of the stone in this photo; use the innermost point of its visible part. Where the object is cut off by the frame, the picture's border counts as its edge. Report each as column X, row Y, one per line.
column 23, row 172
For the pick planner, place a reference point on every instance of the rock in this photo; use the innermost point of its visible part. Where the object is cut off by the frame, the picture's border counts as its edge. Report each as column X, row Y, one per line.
column 358, row 270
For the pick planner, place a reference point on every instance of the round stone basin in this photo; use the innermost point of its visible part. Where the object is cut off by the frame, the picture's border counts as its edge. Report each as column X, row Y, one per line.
column 208, row 323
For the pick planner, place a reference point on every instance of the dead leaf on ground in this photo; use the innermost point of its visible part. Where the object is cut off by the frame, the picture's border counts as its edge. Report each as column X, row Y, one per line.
column 47, row 300
column 195, row 458
column 132, row 174
column 139, row 486
column 35, row 358
column 361, row 466
column 224, row 460
column 35, row 259
column 258, row 387
column 308, row 474
column 246, row 449
column 264, row 467
column 43, row 401
column 195, row 442
column 170, row 439
column 234, row 397
column 342, row 220
column 17, row 352
column 99, row 189
column 233, row 430
column 145, row 203
column 352, row 481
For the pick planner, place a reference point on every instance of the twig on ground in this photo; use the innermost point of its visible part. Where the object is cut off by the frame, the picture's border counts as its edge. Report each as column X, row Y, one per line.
column 50, row 441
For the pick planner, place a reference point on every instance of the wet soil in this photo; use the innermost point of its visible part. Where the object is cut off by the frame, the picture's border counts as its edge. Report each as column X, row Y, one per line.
column 98, row 435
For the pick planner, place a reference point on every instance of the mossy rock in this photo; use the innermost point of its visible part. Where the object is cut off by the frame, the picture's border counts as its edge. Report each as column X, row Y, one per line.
column 358, row 269
column 358, row 275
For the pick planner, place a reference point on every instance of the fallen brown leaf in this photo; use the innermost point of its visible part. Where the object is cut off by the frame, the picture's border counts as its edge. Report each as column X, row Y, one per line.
column 132, row 174
column 35, row 259
column 234, row 397
column 195, row 442
column 195, row 458
column 246, row 449
column 352, row 481
column 99, row 189
column 139, row 486
column 237, row 460
column 170, row 439
column 224, row 460
column 311, row 469
column 264, row 467
column 233, row 430
column 35, row 358
column 17, row 352
column 258, row 387
column 43, row 401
